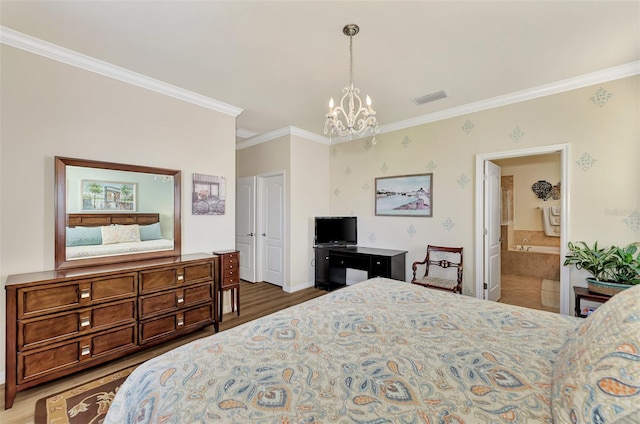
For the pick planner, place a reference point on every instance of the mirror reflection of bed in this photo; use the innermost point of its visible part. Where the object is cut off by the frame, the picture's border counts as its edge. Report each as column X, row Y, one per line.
column 85, row 235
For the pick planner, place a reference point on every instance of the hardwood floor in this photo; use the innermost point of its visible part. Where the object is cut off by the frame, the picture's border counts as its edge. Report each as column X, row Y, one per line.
column 523, row 291
column 256, row 300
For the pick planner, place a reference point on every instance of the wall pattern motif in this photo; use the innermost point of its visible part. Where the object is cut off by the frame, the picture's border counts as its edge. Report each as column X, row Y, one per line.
column 516, row 134
column 463, row 180
column 601, row 97
column 334, row 151
column 366, row 186
column 336, row 192
column 467, row 127
column 411, row 231
column 384, row 168
column 633, row 221
column 431, row 166
column 585, row 162
column 406, row 141
column 347, row 171
column 448, row 224
column 372, row 238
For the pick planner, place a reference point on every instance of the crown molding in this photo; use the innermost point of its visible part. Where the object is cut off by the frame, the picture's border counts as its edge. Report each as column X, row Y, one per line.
column 282, row 132
column 245, row 133
column 34, row 45
column 561, row 86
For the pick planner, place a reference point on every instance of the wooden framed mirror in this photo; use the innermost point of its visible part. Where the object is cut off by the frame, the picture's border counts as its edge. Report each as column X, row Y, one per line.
column 110, row 212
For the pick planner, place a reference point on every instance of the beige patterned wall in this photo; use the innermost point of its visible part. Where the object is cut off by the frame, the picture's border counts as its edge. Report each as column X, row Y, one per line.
column 600, row 123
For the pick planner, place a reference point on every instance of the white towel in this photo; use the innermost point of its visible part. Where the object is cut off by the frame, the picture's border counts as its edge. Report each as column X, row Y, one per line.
column 550, row 229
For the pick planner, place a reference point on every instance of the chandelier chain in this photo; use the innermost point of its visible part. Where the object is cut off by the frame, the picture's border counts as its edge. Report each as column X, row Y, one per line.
column 350, row 59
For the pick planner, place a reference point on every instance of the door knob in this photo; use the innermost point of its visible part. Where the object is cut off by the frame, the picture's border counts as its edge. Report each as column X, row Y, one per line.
column 264, row 234
column 250, row 234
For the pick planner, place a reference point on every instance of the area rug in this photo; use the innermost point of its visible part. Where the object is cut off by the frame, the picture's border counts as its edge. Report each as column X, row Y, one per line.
column 550, row 293
column 87, row 403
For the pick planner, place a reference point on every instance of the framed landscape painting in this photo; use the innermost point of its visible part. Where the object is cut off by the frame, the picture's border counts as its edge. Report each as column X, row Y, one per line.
column 103, row 196
column 405, row 195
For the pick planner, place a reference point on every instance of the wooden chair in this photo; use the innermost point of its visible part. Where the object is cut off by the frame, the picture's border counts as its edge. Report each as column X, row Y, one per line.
column 442, row 257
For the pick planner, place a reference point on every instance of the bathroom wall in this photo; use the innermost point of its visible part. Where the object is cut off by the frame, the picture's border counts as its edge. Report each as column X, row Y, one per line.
column 519, row 174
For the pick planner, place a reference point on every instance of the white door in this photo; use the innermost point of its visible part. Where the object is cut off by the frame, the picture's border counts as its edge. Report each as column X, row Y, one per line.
column 492, row 192
column 271, row 228
column 246, row 227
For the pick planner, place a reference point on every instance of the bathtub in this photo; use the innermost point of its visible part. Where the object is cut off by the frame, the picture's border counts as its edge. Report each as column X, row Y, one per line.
column 534, row 261
column 552, row 250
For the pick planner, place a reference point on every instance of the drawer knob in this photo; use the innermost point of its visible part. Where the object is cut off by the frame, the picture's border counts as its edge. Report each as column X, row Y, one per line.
column 180, row 322
column 85, row 293
column 180, row 299
column 85, row 350
column 180, row 277
column 85, row 322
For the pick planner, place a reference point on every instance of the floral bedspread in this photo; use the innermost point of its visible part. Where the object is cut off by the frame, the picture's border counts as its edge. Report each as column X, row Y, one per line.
column 380, row 351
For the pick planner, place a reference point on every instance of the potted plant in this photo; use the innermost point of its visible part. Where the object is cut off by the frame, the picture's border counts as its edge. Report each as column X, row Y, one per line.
column 613, row 268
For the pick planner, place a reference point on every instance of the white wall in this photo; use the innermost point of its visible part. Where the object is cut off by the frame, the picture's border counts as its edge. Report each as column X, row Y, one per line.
column 306, row 166
column 309, row 198
column 53, row 109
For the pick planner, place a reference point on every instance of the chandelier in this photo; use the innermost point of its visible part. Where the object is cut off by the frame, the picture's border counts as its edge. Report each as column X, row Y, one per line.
column 351, row 118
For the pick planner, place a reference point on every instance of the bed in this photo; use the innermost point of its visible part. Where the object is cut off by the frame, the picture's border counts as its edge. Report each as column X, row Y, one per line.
column 91, row 235
column 384, row 351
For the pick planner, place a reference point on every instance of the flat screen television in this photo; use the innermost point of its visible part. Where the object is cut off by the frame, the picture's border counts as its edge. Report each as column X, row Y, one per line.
column 336, row 231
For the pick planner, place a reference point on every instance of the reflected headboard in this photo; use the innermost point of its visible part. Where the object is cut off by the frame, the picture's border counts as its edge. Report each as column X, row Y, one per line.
column 100, row 219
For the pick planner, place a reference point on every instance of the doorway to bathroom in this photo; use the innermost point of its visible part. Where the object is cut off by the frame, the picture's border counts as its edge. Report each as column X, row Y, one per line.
column 530, row 227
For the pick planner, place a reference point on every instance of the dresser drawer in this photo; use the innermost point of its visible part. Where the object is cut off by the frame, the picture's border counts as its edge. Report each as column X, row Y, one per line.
column 38, row 363
column 45, row 299
column 166, row 325
column 160, row 279
column 168, row 301
column 53, row 328
column 167, row 278
column 230, row 273
column 230, row 261
column 198, row 272
column 230, row 281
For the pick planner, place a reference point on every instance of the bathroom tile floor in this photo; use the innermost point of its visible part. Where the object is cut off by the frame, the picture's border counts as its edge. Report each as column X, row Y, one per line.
column 523, row 291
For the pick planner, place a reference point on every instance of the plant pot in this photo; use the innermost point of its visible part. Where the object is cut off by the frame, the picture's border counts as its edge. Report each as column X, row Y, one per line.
column 604, row 287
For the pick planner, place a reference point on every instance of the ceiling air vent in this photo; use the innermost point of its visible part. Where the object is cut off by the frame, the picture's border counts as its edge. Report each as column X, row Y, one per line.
column 430, row 97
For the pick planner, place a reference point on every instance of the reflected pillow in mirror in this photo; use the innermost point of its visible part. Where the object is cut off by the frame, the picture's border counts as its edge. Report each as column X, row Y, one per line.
column 83, row 236
column 120, row 234
column 150, row 232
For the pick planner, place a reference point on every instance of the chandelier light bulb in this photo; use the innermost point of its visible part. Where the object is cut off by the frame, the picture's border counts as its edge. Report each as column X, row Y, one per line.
column 331, row 104
column 368, row 101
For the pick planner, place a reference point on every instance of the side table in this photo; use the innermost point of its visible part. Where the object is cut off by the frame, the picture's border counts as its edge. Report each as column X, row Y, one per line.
column 584, row 293
column 229, row 278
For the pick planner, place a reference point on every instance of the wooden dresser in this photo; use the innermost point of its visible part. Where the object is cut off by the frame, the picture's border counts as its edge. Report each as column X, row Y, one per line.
column 59, row 322
column 229, row 278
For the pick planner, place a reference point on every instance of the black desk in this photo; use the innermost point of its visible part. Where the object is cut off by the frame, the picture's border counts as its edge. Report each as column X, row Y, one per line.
column 332, row 264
